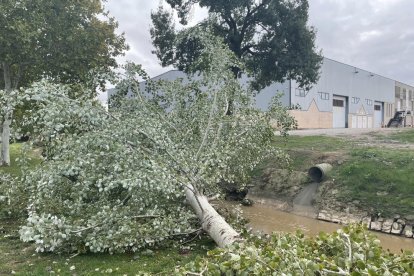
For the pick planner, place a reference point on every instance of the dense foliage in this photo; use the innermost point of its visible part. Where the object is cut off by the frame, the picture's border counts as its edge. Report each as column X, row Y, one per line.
column 349, row 251
column 61, row 39
column 66, row 41
column 115, row 181
column 271, row 37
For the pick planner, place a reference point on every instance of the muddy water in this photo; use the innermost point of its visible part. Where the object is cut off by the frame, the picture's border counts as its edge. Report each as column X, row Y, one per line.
column 268, row 219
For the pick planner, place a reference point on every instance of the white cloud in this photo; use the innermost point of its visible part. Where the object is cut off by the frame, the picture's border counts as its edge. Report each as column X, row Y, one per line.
column 365, row 36
column 373, row 34
column 376, row 35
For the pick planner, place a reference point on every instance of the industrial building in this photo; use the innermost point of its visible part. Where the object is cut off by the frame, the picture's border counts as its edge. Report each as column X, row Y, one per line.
column 344, row 97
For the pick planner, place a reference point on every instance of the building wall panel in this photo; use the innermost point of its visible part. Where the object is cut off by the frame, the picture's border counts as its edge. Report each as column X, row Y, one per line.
column 312, row 118
column 341, row 79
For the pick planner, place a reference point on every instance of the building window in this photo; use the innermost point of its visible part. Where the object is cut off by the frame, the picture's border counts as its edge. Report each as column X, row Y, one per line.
column 324, row 95
column 368, row 101
column 339, row 103
column 355, row 100
column 388, row 108
column 301, row 92
column 397, row 92
column 377, row 107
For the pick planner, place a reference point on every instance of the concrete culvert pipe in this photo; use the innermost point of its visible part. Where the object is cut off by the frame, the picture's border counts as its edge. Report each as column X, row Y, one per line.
column 319, row 172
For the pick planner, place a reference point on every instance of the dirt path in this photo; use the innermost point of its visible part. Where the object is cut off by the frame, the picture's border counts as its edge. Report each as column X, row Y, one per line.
column 346, row 132
column 379, row 137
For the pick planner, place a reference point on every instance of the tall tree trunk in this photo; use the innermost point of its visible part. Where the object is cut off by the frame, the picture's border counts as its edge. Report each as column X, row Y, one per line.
column 5, row 136
column 5, row 143
column 1, row 134
column 236, row 75
column 214, row 224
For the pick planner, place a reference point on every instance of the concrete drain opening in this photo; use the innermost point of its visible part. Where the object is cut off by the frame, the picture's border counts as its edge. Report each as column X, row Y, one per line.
column 319, row 172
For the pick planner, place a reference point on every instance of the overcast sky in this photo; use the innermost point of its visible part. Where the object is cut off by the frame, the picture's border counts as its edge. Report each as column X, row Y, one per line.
column 376, row 35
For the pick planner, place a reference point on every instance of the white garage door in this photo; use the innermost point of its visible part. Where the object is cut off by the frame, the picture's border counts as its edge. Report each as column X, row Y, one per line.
column 361, row 121
column 378, row 114
column 339, row 112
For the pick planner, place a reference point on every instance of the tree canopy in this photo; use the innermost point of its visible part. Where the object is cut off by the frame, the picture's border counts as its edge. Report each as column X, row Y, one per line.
column 62, row 40
column 271, row 37
column 66, row 41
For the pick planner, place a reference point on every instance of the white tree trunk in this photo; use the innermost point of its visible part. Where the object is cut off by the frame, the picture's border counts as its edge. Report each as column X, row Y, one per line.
column 5, row 143
column 214, row 224
column 5, row 135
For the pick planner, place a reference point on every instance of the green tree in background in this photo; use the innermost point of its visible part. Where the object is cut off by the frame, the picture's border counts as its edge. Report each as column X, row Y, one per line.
column 271, row 37
column 62, row 40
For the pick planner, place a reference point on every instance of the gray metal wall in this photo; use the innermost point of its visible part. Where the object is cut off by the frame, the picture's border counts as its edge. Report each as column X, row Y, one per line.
column 335, row 79
column 262, row 98
column 344, row 80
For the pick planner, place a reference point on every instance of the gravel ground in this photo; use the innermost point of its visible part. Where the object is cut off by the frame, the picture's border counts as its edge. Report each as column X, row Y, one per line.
column 343, row 131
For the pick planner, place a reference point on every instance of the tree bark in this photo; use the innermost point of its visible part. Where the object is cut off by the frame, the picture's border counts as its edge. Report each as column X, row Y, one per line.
column 5, row 143
column 211, row 222
column 5, row 137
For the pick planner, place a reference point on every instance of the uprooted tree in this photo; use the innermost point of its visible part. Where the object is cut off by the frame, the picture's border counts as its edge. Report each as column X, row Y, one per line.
column 124, row 179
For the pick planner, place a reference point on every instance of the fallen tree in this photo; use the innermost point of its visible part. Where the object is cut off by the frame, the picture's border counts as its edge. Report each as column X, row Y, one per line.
column 213, row 223
column 123, row 180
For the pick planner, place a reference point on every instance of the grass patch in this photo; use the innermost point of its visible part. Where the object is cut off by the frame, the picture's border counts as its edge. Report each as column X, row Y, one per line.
column 404, row 136
column 10, row 187
column 380, row 179
column 316, row 143
column 308, row 150
column 15, row 153
column 303, row 152
column 399, row 136
column 23, row 260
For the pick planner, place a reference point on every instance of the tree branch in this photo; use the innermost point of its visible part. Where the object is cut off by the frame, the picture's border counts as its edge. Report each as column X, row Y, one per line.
column 152, row 109
column 210, row 118
column 247, row 48
column 265, row 2
column 230, row 22
column 99, row 224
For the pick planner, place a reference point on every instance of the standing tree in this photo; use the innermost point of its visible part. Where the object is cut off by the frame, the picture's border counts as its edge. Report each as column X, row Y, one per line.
column 271, row 37
column 63, row 40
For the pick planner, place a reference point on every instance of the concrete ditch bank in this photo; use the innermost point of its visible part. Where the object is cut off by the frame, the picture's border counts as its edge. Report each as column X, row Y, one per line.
column 396, row 226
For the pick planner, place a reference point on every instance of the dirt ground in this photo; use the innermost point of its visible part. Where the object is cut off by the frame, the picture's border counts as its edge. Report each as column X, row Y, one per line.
column 346, row 132
column 378, row 137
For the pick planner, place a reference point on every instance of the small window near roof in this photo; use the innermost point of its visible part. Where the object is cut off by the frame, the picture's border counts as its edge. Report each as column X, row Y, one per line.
column 300, row 92
column 355, row 100
column 339, row 103
column 324, row 95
